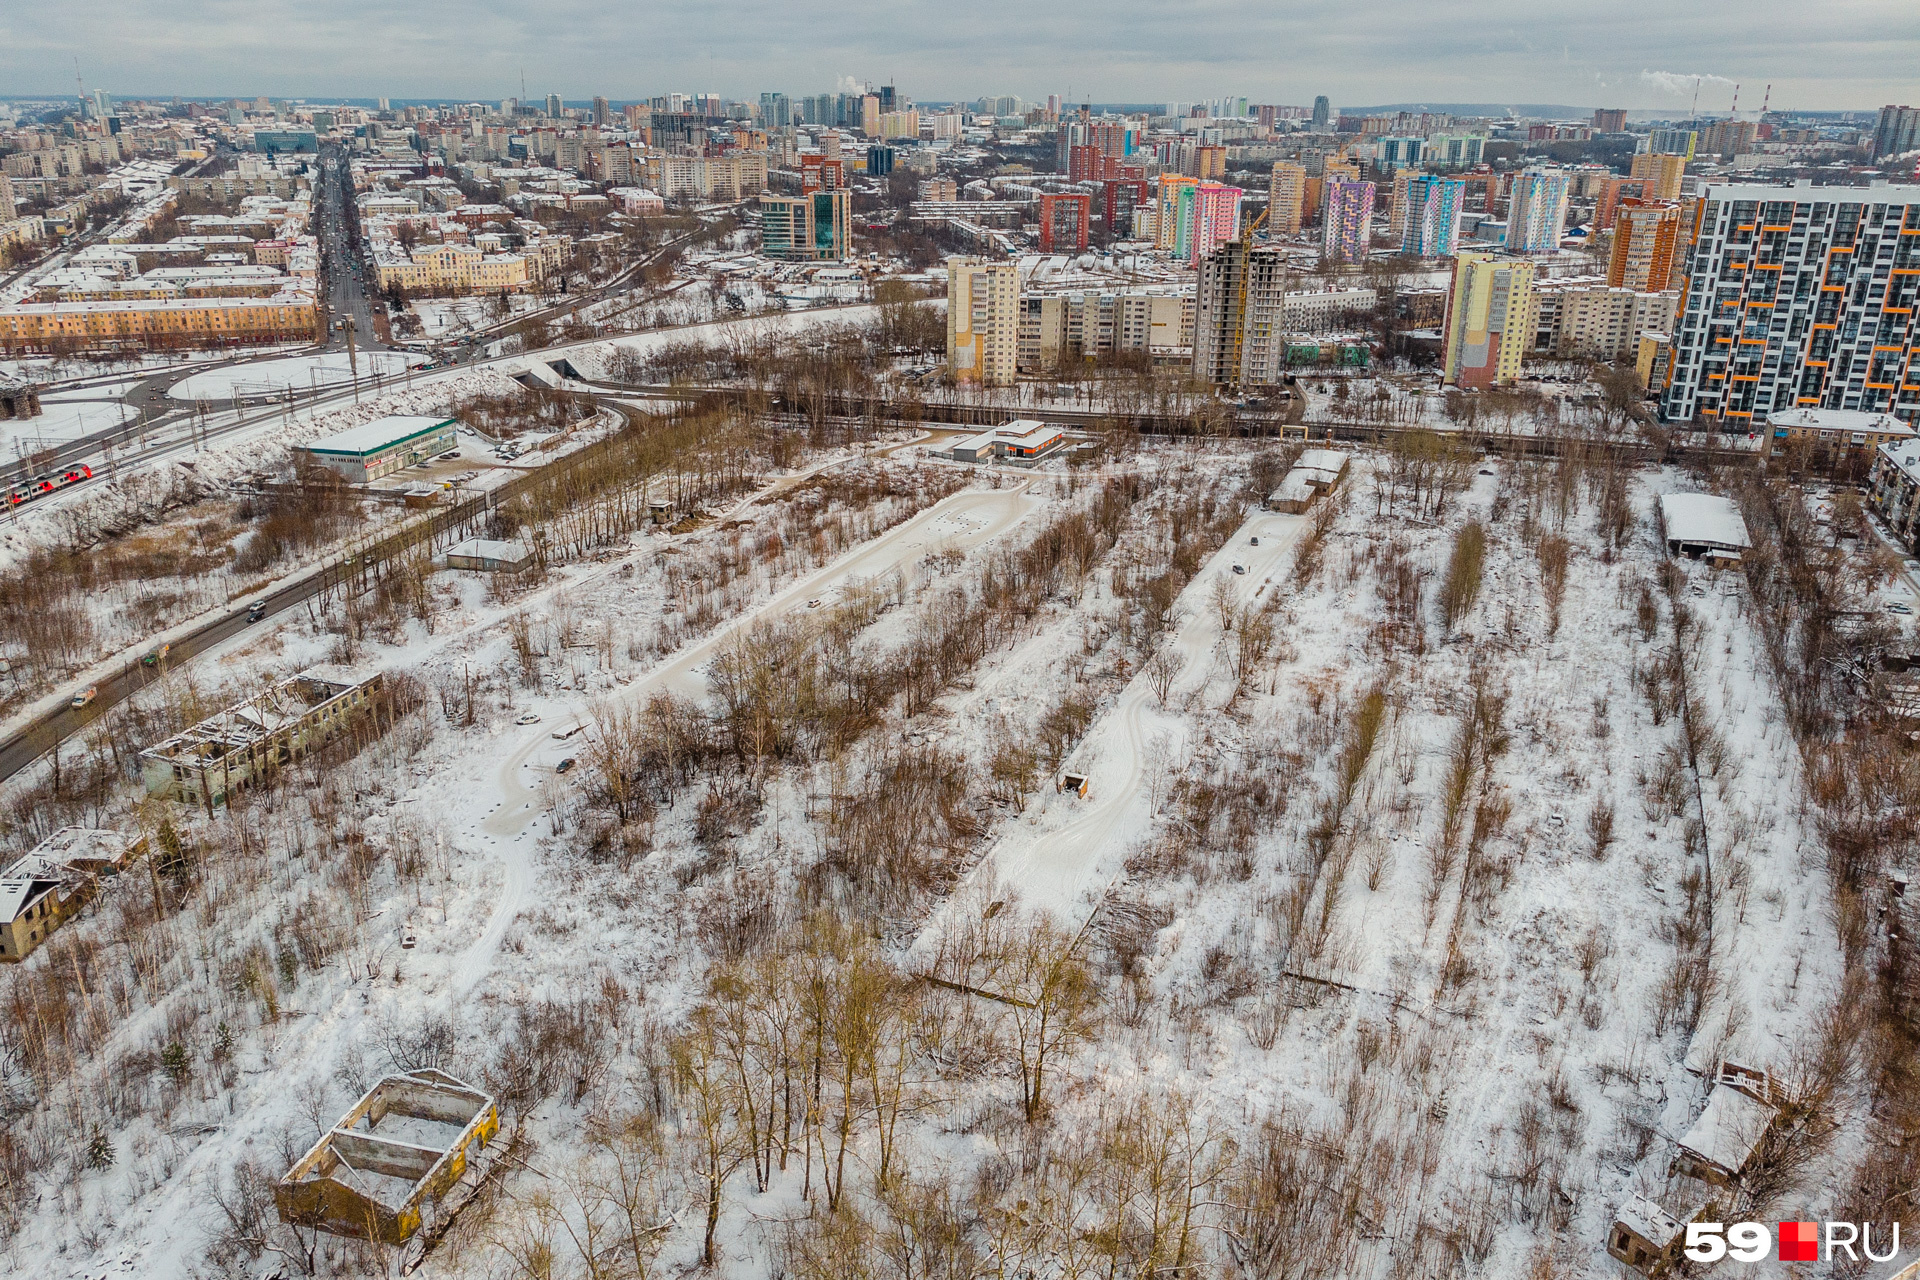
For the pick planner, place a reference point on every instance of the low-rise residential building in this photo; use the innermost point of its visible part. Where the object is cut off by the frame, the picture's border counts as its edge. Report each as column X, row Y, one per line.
column 1893, row 487
column 48, row 887
column 1839, row 433
column 133, row 324
column 452, row 269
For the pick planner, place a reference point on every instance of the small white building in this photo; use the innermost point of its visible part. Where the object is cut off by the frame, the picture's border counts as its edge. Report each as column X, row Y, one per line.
column 1703, row 526
column 1316, row 473
column 490, row 555
column 1022, row 440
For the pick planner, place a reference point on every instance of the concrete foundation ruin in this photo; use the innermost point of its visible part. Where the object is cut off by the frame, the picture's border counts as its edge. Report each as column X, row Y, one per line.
column 390, row 1165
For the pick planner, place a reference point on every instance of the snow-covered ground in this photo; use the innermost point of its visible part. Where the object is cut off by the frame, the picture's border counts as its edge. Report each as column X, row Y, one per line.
column 63, row 419
column 300, row 373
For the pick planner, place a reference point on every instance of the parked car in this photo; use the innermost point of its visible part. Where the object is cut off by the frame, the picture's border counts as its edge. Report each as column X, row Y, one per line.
column 564, row 765
column 1899, row 607
column 528, row 717
column 1239, row 568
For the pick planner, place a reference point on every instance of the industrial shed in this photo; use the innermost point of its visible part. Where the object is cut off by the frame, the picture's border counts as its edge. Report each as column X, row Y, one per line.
column 1703, row 526
column 387, row 1168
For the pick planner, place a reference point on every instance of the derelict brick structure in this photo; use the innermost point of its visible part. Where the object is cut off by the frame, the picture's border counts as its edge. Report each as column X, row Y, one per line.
column 382, row 1171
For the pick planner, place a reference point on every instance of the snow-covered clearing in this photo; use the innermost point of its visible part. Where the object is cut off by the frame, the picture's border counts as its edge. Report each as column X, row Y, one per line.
column 297, row 373
column 1424, row 867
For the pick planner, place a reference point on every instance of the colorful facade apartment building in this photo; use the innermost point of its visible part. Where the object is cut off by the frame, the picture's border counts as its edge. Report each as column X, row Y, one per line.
column 1347, row 232
column 1799, row 297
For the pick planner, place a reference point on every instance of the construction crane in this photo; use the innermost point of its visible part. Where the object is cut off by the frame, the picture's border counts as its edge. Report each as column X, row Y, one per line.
column 1243, row 269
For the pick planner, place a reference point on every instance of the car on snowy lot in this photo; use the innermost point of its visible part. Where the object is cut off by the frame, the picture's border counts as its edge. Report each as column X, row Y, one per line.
column 528, row 717
column 564, row 765
column 813, row 604
column 1899, row 606
column 1253, row 542
column 1239, row 568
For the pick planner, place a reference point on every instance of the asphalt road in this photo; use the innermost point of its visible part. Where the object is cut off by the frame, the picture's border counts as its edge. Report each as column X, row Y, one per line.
column 41, row 737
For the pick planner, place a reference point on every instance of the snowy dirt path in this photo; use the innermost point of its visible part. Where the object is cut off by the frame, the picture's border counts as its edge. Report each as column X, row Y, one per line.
column 1061, row 854
column 960, row 522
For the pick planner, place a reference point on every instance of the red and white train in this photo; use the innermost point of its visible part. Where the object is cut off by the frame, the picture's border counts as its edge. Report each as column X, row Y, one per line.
column 26, row 491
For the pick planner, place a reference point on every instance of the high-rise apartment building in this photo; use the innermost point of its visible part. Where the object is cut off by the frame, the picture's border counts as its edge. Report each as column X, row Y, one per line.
column 1347, row 234
column 1584, row 317
column 1398, row 153
column 1610, row 120
column 983, row 321
column 816, row 227
column 602, row 112
column 1672, row 142
column 1799, row 297
column 1167, row 227
column 1454, row 150
column 1896, row 131
column 554, row 111
column 1397, row 204
column 1646, row 234
column 1537, row 214
column 1432, row 216
column 1286, row 199
column 1489, row 320
column 1205, row 214
column 1322, row 114
column 1063, row 220
column 1660, row 173
column 1237, row 315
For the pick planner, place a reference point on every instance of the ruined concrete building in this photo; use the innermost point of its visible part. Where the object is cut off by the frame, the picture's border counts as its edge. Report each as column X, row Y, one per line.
column 387, row 1168
column 246, row 743
column 46, row 888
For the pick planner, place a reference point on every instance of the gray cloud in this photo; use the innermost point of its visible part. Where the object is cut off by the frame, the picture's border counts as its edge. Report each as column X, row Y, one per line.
column 1837, row 54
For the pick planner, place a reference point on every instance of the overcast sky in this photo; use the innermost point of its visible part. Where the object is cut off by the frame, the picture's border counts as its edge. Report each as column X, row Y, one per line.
column 1639, row 54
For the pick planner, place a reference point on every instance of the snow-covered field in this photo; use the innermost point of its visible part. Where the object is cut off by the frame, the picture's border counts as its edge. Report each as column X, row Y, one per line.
column 62, row 419
column 300, row 373
column 1434, row 850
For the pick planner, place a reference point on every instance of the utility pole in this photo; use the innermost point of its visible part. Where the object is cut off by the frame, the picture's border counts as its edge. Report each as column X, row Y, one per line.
column 353, row 364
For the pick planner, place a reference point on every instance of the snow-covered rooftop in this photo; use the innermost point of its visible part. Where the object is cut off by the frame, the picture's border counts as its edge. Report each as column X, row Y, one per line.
column 1648, row 1220
column 1841, row 420
column 378, row 434
column 1729, row 1129
column 1703, row 519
